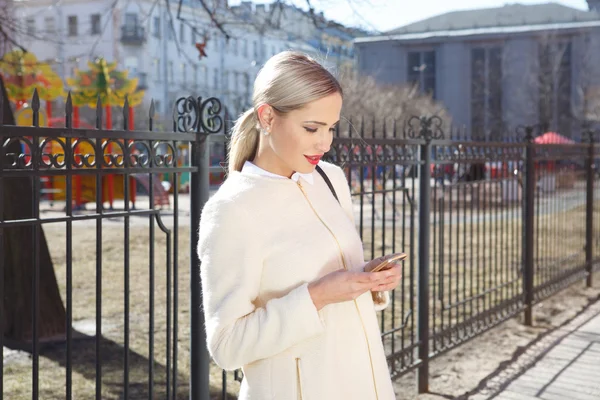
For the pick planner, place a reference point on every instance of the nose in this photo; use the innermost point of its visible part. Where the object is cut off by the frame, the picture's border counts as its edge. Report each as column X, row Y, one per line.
column 324, row 143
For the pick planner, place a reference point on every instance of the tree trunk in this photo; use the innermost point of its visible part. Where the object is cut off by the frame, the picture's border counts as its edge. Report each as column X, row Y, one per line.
column 18, row 261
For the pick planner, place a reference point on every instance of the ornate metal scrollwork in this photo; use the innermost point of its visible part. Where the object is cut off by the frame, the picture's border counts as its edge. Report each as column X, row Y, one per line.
column 23, row 159
column 195, row 115
column 164, row 158
column 426, row 128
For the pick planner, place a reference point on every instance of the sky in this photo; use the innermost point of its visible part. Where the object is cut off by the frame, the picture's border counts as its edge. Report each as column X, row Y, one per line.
column 385, row 15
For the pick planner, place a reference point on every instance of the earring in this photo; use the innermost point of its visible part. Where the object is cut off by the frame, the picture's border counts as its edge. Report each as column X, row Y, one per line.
column 266, row 131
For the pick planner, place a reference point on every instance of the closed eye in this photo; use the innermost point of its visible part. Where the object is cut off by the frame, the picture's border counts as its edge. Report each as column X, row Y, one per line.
column 314, row 130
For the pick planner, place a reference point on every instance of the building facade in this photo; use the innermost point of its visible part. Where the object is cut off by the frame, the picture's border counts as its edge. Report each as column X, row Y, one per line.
column 495, row 69
column 158, row 44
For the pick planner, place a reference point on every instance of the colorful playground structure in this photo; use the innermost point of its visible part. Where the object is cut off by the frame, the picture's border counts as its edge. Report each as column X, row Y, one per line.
column 102, row 85
column 113, row 186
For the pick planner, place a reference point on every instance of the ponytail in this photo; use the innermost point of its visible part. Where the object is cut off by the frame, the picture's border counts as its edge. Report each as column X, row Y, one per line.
column 244, row 141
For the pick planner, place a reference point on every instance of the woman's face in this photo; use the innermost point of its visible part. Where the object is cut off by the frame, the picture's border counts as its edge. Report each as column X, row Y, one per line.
column 299, row 139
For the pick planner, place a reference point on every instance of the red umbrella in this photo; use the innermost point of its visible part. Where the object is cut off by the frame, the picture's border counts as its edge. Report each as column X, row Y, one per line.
column 552, row 138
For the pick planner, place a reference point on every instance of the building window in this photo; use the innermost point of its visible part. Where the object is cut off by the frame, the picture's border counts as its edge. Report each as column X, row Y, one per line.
column 195, row 72
column 194, row 36
column 30, row 25
column 234, row 45
column 131, row 20
column 72, row 25
column 131, row 64
column 216, row 79
column 181, row 32
column 171, row 77
column 184, row 73
column 246, row 83
column 157, row 69
column 226, row 81
column 486, row 92
column 554, row 83
column 255, row 47
column 156, row 27
column 421, row 70
column 95, row 20
column 170, row 31
column 245, row 48
column 49, row 25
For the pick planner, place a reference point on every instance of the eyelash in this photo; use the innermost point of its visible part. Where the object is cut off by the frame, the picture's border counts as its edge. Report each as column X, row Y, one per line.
column 311, row 130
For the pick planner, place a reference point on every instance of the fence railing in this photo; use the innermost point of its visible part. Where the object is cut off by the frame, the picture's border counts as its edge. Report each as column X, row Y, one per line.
column 118, row 328
column 491, row 228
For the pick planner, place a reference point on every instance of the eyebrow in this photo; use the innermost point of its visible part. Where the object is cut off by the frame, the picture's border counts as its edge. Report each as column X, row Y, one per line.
column 320, row 123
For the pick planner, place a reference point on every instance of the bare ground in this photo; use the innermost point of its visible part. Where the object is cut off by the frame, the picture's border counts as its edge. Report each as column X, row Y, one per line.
column 452, row 374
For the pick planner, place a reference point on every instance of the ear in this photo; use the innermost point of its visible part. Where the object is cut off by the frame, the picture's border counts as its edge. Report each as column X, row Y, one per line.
column 265, row 116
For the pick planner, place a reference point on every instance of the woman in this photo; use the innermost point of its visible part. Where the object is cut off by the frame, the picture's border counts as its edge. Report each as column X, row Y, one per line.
column 285, row 294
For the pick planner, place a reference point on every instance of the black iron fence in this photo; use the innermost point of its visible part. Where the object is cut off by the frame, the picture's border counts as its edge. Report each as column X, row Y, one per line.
column 491, row 228
column 96, row 294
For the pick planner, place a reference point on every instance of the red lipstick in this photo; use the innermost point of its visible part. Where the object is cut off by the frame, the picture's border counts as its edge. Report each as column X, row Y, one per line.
column 314, row 160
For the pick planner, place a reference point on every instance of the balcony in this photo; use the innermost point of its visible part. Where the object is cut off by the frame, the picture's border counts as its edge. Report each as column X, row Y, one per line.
column 134, row 35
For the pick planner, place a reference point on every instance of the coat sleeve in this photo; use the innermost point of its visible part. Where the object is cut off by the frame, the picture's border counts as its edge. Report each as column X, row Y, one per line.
column 238, row 332
column 345, row 197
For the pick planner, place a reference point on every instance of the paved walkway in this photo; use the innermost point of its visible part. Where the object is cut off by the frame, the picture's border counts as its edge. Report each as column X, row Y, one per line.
column 564, row 365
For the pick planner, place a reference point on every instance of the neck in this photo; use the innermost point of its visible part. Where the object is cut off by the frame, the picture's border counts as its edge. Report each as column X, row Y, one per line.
column 270, row 162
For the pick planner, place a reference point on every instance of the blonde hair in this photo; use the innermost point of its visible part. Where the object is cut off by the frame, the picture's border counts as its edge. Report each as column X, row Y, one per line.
column 288, row 81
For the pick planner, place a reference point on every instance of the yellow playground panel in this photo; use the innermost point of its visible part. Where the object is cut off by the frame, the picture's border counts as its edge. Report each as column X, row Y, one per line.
column 87, row 188
column 84, row 186
column 113, row 188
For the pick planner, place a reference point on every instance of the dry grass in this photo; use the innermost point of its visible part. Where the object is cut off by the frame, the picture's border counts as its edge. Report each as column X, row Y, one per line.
column 496, row 263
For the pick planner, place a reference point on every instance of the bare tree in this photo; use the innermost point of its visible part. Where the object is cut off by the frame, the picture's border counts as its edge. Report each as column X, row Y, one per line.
column 8, row 25
column 556, row 81
column 19, row 261
column 375, row 105
column 223, row 16
column 19, row 251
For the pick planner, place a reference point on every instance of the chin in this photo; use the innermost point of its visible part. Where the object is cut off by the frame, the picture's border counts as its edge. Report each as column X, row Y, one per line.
column 306, row 169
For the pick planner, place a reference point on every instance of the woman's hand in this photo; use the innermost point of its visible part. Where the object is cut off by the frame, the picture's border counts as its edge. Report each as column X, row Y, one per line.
column 392, row 280
column 342, row 285
column 394, row 273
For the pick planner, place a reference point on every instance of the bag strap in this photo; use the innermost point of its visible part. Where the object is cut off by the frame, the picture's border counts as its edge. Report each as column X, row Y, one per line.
column 327, row 181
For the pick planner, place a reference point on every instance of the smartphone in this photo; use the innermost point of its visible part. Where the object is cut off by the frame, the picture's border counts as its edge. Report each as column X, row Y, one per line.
column 388, row 261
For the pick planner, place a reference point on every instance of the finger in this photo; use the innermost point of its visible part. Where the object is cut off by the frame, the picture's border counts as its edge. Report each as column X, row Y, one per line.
column 361, row 287
column 395, row 271
column 366, row 277
column 384, row 288
column 387, row 275
column 392, row 281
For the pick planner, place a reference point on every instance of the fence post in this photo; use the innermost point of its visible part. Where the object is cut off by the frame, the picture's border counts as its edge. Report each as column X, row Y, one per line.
column 429, row 128
column 190, row 117
column 527, row 228
column 589, row 212
column 200, row 360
